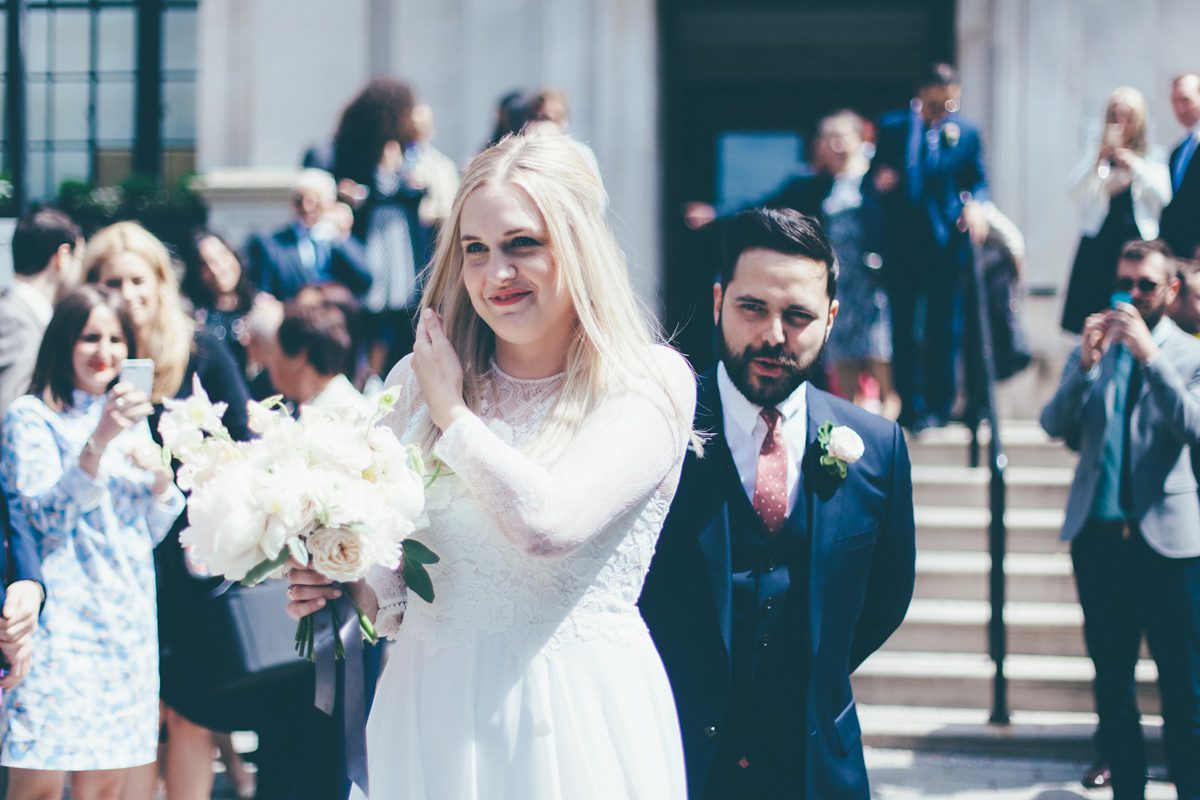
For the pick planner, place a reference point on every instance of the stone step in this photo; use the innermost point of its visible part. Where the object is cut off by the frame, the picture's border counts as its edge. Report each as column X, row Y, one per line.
column 961, row 626
column 1029, row 734
column 1025, row 445
column 1029, row 530
column 959, row 575
column 964, row 680
column 1025, row 487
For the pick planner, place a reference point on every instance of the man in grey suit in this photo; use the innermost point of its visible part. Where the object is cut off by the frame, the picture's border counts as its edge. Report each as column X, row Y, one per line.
column 1129, row 402
column 47, row 261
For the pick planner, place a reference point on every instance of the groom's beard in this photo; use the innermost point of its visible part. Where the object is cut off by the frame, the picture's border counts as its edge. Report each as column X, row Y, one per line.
column 767, row 391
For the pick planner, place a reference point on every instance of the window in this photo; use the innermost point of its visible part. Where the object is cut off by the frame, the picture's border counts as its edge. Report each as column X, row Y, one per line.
column 84, row 88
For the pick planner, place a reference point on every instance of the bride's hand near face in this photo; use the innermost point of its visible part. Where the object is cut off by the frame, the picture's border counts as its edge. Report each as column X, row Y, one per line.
column 438, row 371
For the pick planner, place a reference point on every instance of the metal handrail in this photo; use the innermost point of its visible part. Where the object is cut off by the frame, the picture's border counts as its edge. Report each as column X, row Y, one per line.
column 980, row 408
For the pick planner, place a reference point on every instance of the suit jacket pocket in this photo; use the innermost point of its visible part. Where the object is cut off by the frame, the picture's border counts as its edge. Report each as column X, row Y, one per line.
column 848, row 731
column 856, row 540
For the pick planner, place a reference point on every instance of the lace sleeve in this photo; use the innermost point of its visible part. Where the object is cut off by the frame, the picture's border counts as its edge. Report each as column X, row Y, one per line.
column 403, row 381
column 391, row 594
column 621, row 453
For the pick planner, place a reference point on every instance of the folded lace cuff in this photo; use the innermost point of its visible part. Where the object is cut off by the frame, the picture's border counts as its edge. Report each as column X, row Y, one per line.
column 391, row 594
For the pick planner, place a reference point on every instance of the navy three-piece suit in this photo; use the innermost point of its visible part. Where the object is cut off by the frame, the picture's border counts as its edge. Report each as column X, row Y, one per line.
column 940, row 169
column 759, row 634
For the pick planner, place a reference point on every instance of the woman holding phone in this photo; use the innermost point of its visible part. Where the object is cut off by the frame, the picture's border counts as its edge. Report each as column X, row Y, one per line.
column 1121, row 188
column 85, row 480
column 130, row 260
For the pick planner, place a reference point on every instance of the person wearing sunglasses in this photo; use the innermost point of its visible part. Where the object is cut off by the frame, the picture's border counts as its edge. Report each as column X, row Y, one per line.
column 315, row 248
column 1129, row 403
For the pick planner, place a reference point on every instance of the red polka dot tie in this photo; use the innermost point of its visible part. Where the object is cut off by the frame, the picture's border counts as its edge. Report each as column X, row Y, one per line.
column 770, row 484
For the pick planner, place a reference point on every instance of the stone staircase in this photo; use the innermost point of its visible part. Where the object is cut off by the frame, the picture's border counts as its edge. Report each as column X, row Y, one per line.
column 930, row 687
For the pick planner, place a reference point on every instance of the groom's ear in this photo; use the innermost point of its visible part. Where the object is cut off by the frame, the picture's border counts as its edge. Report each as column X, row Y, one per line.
column 718, row 294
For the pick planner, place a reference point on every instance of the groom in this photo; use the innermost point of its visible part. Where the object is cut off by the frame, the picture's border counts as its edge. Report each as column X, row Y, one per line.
column 787, row 556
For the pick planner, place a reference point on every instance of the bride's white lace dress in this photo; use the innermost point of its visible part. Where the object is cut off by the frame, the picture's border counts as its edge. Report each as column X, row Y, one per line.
column 531, row 676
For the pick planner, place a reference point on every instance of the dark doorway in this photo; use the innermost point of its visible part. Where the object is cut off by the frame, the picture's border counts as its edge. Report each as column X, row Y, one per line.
column 763, row 67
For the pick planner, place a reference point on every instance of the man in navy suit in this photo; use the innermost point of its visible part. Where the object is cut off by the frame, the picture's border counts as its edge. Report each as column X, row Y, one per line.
column 928, row 170
column 1179, row 226
column 788, row 554
column 316, row 248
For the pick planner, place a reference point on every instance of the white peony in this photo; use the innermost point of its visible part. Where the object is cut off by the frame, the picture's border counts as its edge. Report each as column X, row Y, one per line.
column 392, row 471
column 227, row 524
column 845, row 445
column 333, row 445
column 347, row 554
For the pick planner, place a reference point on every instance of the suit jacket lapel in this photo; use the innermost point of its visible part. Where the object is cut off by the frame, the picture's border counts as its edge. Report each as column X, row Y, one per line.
column 824, row 495
column 711, row 474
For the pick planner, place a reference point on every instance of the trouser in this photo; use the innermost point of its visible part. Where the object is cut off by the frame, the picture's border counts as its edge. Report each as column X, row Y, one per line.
column 1126, row 588
column 925, row 345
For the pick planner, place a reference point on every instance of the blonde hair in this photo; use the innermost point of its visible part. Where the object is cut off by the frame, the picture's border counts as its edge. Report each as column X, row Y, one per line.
column 1135, row 135
column 169, row 341
column 611, row 349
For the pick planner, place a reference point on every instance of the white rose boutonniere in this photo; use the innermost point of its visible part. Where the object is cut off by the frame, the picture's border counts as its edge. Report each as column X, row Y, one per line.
column 841, row 446
column 952, row 133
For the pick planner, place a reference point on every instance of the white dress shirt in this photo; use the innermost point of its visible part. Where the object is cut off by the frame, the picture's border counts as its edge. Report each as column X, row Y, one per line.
column 745, row 431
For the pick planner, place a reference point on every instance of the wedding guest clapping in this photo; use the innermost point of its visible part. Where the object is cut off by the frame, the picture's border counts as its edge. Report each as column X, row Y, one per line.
column 22, row 599
column 84, row 479
column 128, row 258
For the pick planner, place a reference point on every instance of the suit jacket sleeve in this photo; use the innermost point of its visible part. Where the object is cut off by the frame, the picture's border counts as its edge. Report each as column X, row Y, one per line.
column 1062, row 417
column 350, row 265
column 1177, row 397
column 260, row 272
column 893, row 564
column 973, row 178
column 21, row 562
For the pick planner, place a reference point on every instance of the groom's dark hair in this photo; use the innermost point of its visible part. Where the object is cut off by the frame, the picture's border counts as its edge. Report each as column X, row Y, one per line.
column 783, row 231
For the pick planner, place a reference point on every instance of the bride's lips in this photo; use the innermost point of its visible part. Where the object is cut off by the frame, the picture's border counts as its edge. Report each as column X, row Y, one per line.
column 508, row 297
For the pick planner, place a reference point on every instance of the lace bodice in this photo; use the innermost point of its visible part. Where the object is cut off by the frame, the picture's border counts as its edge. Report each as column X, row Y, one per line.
column 540, row 554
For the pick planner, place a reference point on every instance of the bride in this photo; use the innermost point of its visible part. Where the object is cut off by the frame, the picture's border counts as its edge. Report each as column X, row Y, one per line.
column 535, row 380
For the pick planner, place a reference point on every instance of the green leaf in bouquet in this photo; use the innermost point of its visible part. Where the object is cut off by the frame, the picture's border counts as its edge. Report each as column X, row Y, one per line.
column 298, row 550
column 415, row 551
column 417, row 578
column 259, row 572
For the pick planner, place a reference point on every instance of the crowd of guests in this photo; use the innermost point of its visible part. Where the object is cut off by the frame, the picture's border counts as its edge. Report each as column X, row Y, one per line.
column 104, row 686
column 905, row 201
column 111, row 691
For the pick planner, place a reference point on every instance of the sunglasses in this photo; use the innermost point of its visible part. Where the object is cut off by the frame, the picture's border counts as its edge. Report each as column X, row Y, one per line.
column 1144, row 285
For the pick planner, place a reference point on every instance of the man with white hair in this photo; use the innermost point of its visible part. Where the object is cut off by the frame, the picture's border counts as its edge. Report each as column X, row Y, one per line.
column 315, row 248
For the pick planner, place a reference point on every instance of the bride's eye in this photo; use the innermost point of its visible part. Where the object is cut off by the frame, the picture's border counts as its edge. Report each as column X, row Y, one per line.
column 524, row 241
column 474, row 247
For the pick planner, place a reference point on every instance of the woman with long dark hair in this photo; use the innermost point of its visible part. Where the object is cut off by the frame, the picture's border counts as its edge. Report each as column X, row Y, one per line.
column 377, row 161
column 85, row 480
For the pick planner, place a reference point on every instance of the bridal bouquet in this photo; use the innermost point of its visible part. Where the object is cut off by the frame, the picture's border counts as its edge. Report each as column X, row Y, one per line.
column 330, row 489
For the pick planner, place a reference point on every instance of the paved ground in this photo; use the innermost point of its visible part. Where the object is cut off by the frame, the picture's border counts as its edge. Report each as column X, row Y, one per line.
column 903, row 774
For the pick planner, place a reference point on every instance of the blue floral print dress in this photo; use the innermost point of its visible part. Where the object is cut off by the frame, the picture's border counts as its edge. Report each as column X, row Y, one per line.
column 90, row 700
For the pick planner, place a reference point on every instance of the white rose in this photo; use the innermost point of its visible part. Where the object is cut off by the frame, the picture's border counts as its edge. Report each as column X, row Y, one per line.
column 845, row 445
column 347, row 554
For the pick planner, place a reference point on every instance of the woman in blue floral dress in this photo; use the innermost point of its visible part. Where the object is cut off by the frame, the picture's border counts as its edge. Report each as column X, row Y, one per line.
column 84, row 478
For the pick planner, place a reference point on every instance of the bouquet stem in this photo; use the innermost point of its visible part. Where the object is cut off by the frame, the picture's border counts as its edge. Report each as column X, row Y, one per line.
column 306, row 630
